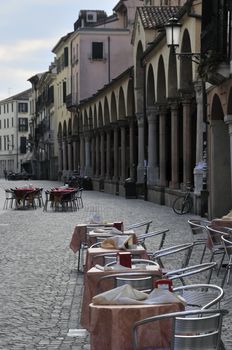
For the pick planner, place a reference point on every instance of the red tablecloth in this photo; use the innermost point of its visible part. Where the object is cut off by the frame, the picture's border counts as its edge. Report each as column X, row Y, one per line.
column 111, row 326
column 91, row 280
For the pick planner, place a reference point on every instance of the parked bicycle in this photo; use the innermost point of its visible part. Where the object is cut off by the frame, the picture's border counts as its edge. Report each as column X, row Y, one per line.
column 183, row 205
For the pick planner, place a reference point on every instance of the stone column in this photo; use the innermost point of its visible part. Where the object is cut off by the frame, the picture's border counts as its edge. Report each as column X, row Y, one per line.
column 152, row 167
column 93, row 160
column 174, row 145
column 60, row 156
column 140, row 167
column 82, row 155
column 115, row 177
column 187, row 146
column 75, row 157
column 102, row 154
column 228, row 121
column 198, row 170
column 132, row 150
column 70, row 165
column 64, row 155
column 123, row 153
column 163, row 150
column 87, row 156
column 108, row 154
column 97, row 151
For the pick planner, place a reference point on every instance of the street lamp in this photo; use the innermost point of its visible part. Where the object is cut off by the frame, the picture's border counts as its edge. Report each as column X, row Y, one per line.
column 173, row 28
column 173, row 32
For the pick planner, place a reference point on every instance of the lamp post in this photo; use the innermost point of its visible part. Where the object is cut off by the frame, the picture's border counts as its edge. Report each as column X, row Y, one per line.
column 173, row 30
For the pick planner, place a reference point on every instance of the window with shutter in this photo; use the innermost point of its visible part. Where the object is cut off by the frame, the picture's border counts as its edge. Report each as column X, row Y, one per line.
column 97, row 50
column 66, row 56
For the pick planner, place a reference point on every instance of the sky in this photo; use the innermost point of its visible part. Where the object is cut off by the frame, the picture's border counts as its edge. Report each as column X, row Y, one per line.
column 29, row 30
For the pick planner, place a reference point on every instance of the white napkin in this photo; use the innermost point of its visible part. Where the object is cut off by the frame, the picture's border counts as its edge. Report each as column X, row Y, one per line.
column 115, row 231
column 160, row 296
column 127, row 295
column 116, row 242
column 120, row 295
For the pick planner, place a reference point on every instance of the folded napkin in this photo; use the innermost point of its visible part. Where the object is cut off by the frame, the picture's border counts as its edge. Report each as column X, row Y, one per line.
column 160, row 296
column 228, row 216
column 99, row 230
column 114, row 231
column 120, row 295
column 116, row 267
column 117, row 242
column 127, row 295
column 96, row 219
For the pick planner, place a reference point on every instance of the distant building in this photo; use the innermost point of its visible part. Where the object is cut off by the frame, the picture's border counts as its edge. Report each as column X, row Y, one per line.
column 14, row 113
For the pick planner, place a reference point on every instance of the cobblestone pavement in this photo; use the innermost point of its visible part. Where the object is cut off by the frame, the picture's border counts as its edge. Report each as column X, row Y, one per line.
column 40, row 290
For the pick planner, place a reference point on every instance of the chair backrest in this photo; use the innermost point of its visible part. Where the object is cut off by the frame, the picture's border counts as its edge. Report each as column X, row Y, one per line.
column 142, row 281
column 200, row 296
column 141, row 238
column 214, row 235
column 191, row 330
column 202, row 332
column 106, row 258
column 144, row 224
column 137, row 261
column 198, row 227
column 189, row 271
column 172, row 251
column 227, row 243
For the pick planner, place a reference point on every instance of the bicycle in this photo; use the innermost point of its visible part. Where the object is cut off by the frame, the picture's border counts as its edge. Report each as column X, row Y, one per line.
column 183, row 205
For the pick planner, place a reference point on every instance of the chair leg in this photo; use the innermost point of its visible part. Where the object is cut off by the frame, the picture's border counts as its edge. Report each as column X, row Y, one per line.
column 203, row 254
column 221, row 261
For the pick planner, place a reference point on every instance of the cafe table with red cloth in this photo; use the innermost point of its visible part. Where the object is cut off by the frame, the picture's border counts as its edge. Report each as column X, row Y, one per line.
column 20, row 193
column 91, row 279
column 111, row 325
column 92, row 259
column 56, row 194
column 84, row 233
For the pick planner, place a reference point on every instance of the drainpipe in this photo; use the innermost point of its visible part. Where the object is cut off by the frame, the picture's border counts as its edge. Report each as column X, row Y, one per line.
column 109, row 77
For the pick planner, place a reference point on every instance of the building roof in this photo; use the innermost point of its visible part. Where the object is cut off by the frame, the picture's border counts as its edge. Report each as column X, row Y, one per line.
column 23, row 95
column 153, row 17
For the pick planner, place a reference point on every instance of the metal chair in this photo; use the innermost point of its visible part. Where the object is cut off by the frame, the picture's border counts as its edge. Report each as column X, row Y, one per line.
column 173, row 250
column 198, row 228
column 189, row 271
column 9, row 198
column 142, row 281
column 142, row 237
column 200, row 296
column 145, row 225
column 214, row 243
column 136, row 261
column 227, row 244
column 78, row 198
column 191, row 330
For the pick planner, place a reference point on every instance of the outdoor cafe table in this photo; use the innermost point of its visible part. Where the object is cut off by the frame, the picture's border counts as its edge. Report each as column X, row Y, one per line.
column 57, row 193
column 111, row 325
column 91, row 280
column 20, row 193
column 138, row 252
column 84, row 233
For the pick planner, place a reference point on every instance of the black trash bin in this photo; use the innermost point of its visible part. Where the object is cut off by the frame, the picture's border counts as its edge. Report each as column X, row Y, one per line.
column 130, row 188
column 87, row 183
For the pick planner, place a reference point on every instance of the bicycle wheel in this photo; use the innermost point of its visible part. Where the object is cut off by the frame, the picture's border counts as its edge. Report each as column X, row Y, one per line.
column 181, row 205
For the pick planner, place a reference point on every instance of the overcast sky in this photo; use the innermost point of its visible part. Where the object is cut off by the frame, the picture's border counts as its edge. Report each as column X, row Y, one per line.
column 29, row 29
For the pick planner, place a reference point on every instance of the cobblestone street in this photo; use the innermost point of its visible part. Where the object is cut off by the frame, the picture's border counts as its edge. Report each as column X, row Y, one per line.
column 40, row 290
